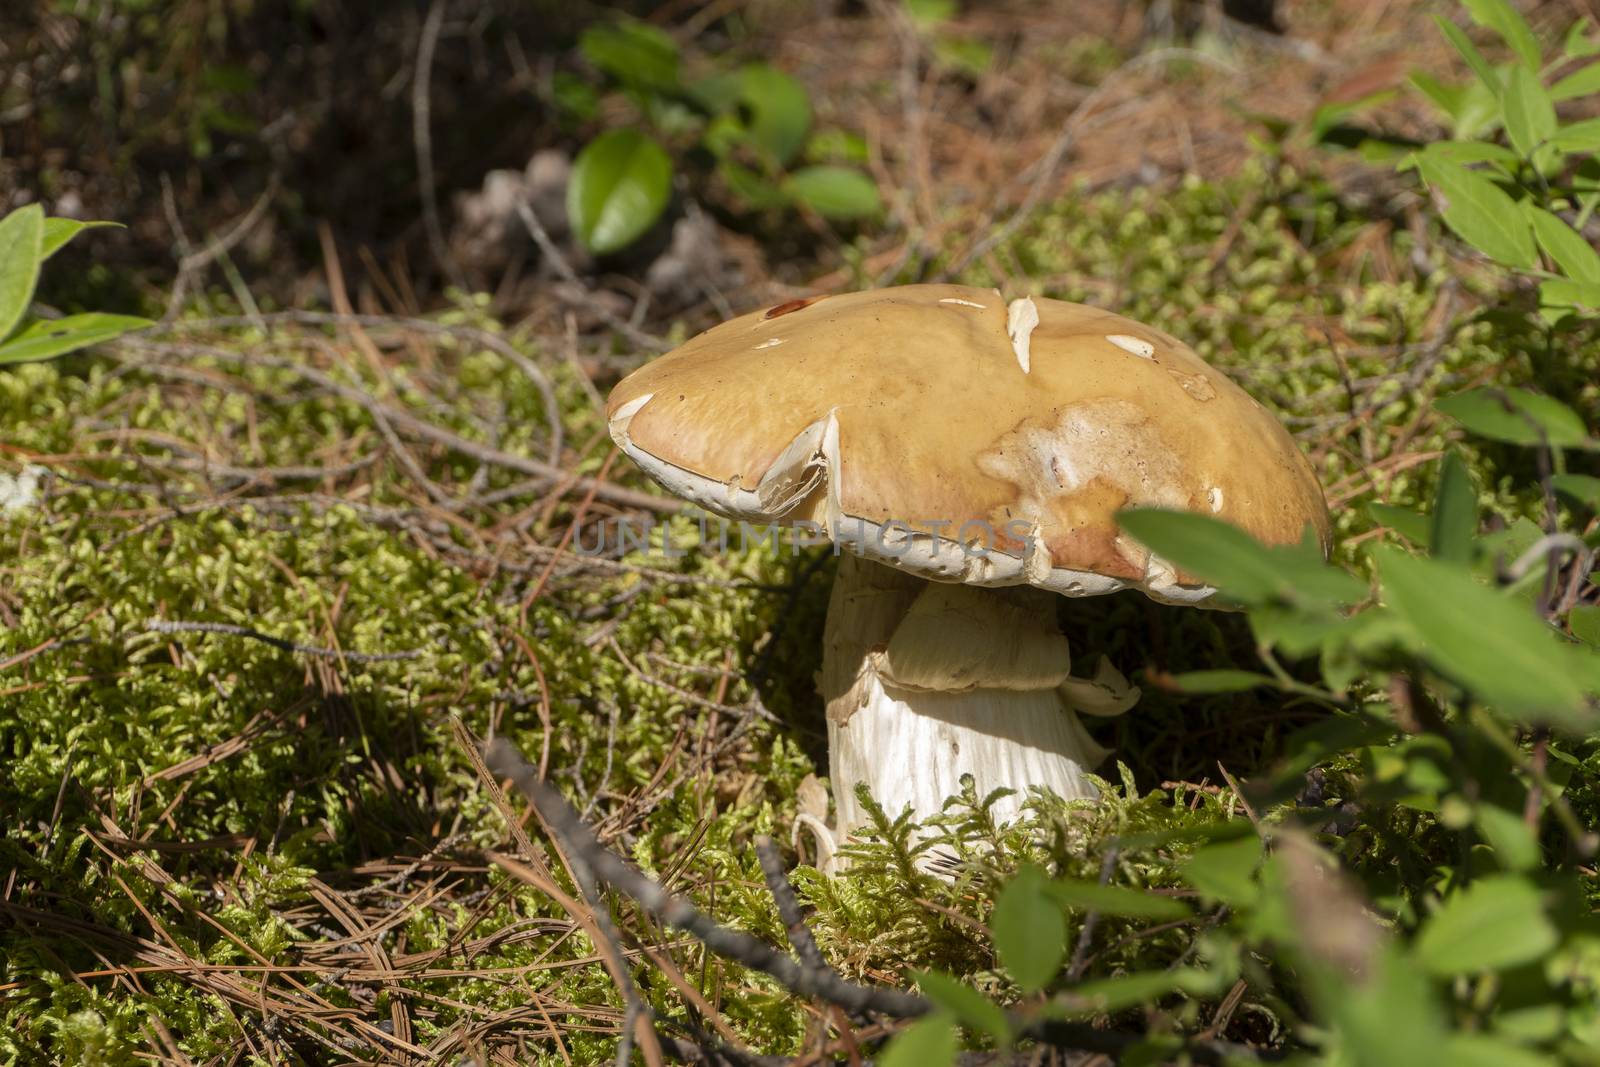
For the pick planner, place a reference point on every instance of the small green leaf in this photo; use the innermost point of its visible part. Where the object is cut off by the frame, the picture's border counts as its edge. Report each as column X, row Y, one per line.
column 1564, row 294
column 780, row 111
column 1225, row 871
column 931, row 1041
column 1030, row 933
column 1503, row 19
column 1488, row 642
column 58, row 232
column 834, row 192
column 929, row 13
column 620, row 184
column 1483, row 1050
column 1106, row 995
column 1530, row 117
column 1514, row 844
column 1117, row 900
column 1366, row 1016
column 1447, row 98
column 1236, row 563
column 1473, row 152
column 1220, row 680
column 1579, row 83
column 1412, row 525
column 1584, row 488
column 1572, row 253
column 1583, row 136
column 749, row 186
column 1515, row 416
column 21, row 252
column 1469, row 52
column 48, row 338
column 1495, row 922
column 1577, row 43
column 1455, row 513
column 635, row 53
column 1480, row 212
column 1584, row 622
column 970, row 1007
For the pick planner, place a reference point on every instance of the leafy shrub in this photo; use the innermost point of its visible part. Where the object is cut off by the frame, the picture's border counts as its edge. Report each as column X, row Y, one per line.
column 753, row 122
column 27, row 239
column 1517, row 183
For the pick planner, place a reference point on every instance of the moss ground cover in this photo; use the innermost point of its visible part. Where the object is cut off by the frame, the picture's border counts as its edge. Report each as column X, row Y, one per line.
column 228, row 847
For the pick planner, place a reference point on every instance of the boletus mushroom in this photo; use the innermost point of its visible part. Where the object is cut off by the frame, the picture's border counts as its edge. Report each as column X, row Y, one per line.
column 970, row 455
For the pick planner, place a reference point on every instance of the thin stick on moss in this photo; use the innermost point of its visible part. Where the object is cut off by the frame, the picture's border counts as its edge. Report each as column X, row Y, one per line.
column 805, row 945
column 503, row 758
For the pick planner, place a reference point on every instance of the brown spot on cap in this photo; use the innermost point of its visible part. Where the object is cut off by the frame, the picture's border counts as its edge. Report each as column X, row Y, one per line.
column 789, row 306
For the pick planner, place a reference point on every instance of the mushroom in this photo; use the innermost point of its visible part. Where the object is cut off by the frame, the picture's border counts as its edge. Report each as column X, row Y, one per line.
column 971, row 455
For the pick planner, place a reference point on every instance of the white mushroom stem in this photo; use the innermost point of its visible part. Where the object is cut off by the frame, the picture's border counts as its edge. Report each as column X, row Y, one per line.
column 926, row 682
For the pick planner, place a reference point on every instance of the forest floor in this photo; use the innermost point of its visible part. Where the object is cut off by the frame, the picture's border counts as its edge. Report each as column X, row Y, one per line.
column 283, row 565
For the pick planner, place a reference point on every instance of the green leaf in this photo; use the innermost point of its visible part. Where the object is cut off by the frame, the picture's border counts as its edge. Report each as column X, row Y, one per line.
column 1480, row 212
column 48, row 338
column 1105, row 995
column 1584, row 622
column 1564, row 294
column 780, row 111
column 1366, row 1016
column 633, row 52
column 1579, row 83
column 1236, row 563
column 1455, row 513
column 1030, row 933
column 966, row 55
column 620, row 185
column 1472, row 108
column 1218, row 552
column 1482, row 1050
column 1571, row 252
column 1473, row 152
column 1515, row 416
column 1577, row 43
column 834, row 192
column 1530, row 117
column 1514, row 844
column 21, row 252
column 931, row 1041
column 1446, row 98
column 929, row 13
column 1225, row 871
column 970, row 1007
column 58, row 232
column 1117, row 900
column 749, row 186
column 1581, row 136
column 1488, row 642
column 718, row 91
column 1412, row 525
column 1495, row 922
column 1503, row 19
column 1469, row 52
column 1584, row 488
column 1219, row 681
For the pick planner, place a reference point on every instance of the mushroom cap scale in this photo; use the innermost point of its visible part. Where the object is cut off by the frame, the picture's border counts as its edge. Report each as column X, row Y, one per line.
column 907, row 421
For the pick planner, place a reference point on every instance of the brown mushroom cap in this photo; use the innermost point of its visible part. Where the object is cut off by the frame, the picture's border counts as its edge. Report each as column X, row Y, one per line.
column 907, row 421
